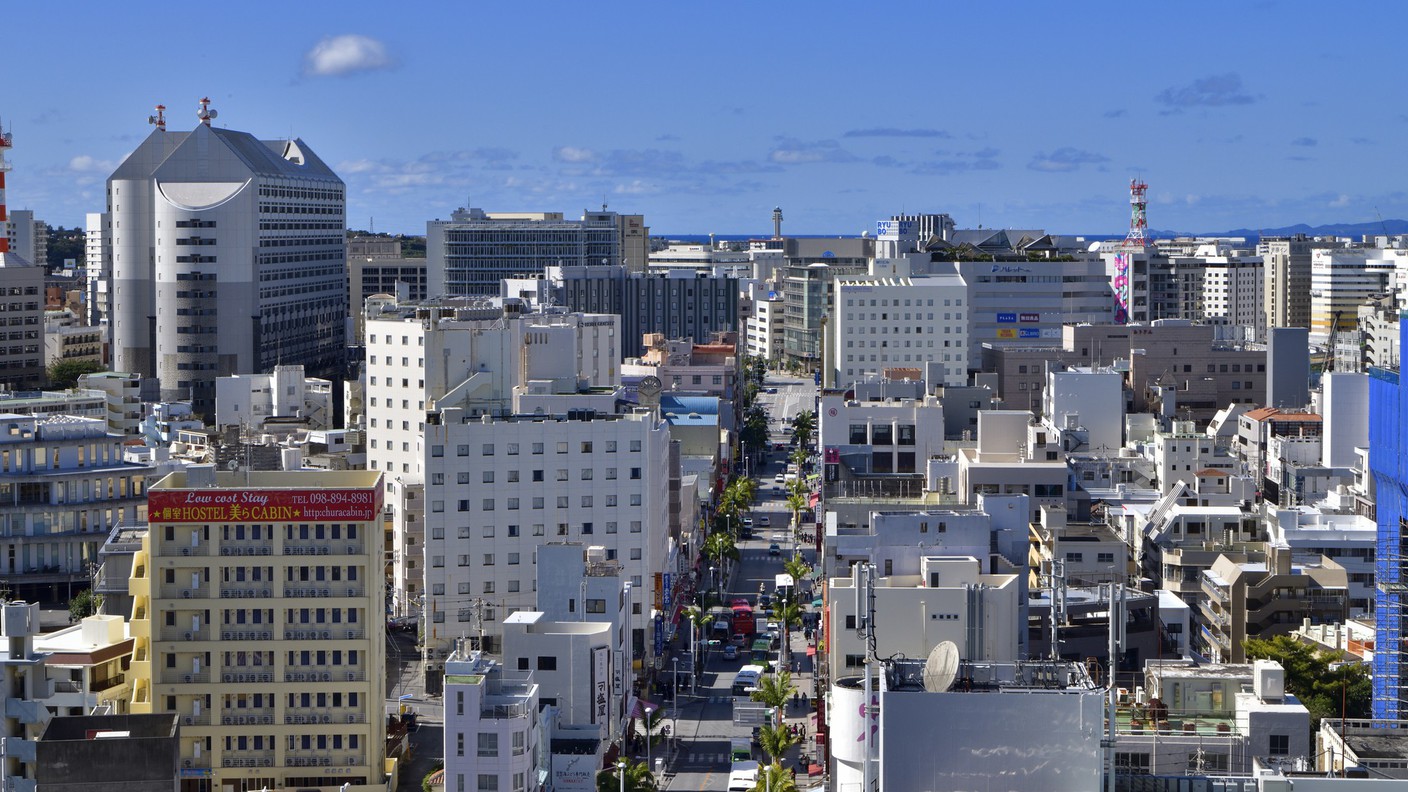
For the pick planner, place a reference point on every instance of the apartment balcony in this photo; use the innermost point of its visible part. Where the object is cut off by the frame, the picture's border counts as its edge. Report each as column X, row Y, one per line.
column 202, row 719
column 300, row 548
column 247, row 677
column 331, row 589
column 246, row 591
column 191, row 550
column 186, row 633
column 325, row 632
column 248, row 548
column 248, row 717
column 246, row 632
column 334, row 674
column 248, row 759
column 326, row 716
column 321, row 759
column 171, row 676
column 178, row 592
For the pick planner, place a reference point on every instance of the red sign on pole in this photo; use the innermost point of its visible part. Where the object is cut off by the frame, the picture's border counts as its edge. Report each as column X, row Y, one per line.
column 227, row 505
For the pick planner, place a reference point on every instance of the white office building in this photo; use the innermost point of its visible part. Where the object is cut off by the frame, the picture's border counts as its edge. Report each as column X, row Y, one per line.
column 228, row 258
column 492, row 731
column 899, row 322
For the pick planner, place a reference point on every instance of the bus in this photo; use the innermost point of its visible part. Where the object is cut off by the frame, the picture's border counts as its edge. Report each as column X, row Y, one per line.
column 743, row 621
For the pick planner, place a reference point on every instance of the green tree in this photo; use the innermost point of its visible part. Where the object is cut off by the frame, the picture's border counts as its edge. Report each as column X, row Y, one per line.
column 796, row 502
column 435, row 767
column 774, row 690
column 803, row 427
column 789, row 615
column 638, row 779
column 65, row 373
column 719, row 547
column 775, row 778
column 85, row 603
column 775, row 740
column 1319, row 687
column 797, row 567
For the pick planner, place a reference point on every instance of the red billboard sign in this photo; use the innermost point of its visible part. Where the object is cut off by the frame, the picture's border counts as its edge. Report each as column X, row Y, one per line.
column 237, row 505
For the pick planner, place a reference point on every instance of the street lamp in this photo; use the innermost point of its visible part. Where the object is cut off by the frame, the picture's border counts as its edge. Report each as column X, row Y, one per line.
column 621, row 773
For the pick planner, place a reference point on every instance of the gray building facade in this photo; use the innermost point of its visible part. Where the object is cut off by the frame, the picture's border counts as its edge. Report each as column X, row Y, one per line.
column 678, row 305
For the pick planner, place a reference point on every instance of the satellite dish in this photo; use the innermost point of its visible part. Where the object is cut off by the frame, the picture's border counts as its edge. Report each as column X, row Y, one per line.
column 1094, row 247
column 233, row 464
column 941, row 668
column 649, row 386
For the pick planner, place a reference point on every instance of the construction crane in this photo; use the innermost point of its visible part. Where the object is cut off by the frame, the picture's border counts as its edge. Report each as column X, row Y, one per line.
column 1327, row 363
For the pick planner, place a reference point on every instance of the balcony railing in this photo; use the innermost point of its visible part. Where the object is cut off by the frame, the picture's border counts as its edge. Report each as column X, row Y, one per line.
column 247, row 591
column 185, row 634
column 249, row 759
column 246, row 633
column 323, row 548
column 178, row 592
column 246, row 676
column 329, row 590
column 324, row 632
column 248, row 717
column 333, row 674
column 174, row 677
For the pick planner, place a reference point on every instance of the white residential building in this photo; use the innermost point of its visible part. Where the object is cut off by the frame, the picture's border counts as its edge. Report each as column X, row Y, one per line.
column 575, row 665
column 497, row 489
column 422, row 358
column 763, row 327
column 1085, row 406
column 65, row 485
column 1013, row 456
column 951, row 599
column 97, row 260
column 876, row 437
column 492, row 733
column 250, row 399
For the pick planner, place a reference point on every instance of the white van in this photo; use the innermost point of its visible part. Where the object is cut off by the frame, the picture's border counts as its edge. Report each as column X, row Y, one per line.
column 742, row 776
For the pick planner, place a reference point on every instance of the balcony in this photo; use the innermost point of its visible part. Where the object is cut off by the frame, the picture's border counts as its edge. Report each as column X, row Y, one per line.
column 323, row 716
column 245, row 632
column 188, row 550
column 248, row 717
column 322, row 548
column 202, row 719
column 247, row 591
column 263, row 675
column 246, row 549
column 325, row 632
column 333, row 674
column 185, row 634
column 177, row 592
column 171, row 676
column 248, row 759
column 325, row 590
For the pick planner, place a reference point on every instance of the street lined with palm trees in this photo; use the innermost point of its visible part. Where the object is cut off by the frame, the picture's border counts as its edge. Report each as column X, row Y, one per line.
column 753, row 515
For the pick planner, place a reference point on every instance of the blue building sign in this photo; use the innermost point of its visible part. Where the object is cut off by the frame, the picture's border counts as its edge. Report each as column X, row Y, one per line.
column 1007, row 318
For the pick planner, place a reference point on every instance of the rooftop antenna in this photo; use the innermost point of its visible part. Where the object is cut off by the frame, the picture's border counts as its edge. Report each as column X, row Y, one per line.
column 205, row 114
column 941, row 668
column 158, row 120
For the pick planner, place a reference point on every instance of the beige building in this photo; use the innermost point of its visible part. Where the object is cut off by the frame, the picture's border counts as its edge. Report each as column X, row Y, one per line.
column 1244, row 600
column 257, row 617
column 1286, row 270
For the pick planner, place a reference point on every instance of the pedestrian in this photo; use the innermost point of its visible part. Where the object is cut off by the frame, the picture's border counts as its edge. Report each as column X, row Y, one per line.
column 804, row 698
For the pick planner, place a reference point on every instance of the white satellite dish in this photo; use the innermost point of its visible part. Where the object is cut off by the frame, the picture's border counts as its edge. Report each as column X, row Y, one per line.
column 941, row 668
column 233, row 464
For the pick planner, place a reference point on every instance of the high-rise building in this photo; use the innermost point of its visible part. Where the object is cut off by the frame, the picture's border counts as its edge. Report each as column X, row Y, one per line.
column 1343, row 279
column 29, row 237
column 258, row 617
column 469, row 254
column 1286, row 269
column 228, row 258
column 21, row 323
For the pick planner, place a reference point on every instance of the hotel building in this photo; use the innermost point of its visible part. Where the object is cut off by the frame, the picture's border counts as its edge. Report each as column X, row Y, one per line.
column 257, row 618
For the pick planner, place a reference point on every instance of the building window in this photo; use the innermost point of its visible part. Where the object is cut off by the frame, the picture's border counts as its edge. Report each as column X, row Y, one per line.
column 1280, row 745
column 547, row 663
column 488, row 744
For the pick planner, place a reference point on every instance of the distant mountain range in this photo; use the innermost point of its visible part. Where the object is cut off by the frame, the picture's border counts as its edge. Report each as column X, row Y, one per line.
column 1333, row 229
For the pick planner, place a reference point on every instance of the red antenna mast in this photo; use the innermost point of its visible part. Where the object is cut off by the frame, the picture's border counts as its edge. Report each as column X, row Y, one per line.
column 6, row 141
column 158, row 120
column 1137, row 238
column 205, row 114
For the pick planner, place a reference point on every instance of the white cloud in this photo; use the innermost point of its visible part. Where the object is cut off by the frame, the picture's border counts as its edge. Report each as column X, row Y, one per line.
column 573, row 154
column 1341, row 200
column 343, row 55
column 636, row 187
column 84, row 163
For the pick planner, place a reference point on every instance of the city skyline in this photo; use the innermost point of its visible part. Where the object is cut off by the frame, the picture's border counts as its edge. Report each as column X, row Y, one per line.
column 705, row 121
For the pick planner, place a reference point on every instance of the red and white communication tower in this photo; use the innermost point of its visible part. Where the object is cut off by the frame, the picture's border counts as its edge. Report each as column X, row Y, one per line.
column 5, row 143
column 1137, row 239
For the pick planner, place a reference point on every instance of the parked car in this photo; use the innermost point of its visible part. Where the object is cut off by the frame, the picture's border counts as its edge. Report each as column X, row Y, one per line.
column 780, row 478
column 748, row 522
column 764, row 521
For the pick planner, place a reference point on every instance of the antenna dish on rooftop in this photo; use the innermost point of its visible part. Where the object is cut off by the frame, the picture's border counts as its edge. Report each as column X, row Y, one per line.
column 941, row 668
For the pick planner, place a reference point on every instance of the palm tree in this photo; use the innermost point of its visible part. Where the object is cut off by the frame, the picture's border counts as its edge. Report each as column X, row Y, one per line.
column 789, row 615
column 775, row 778
column 797, row 567
column 638, row 779
column 718, row 547
column 774, row 690
column 804, row 426
column 775, row 740
column 796, row 502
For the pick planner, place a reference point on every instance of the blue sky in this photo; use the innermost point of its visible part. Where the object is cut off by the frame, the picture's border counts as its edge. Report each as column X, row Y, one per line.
column 703, row 116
